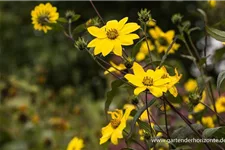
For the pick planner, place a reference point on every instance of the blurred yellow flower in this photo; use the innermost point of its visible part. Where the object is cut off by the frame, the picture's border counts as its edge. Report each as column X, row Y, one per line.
column 212, row 3
column 163, row 40
column 35, row 118
column 143, row 52
column 151, row 23
column 75, row 144
column 114, row 129
column 208, row 122
column 112, row 36
column 220, row 104
column 191, row 85
column 112, row 69
column 150, row 80
column 43, row 14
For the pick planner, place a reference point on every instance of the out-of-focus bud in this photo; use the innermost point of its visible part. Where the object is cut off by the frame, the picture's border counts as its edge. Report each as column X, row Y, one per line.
column 93, row 22
column 195, row 97
column 134, row 100
column 80, row 44
column 69, row 14
column 129, row 63
column 176, row 18
column 144, row 15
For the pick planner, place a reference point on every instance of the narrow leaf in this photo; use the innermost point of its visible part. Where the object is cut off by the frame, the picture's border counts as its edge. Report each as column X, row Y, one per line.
column 214, row 132
column 137, row 116
column 220, row 80
column 63, row 20
column 111, row 94
column 215, row 33
column 80, row 28
column 75, row 18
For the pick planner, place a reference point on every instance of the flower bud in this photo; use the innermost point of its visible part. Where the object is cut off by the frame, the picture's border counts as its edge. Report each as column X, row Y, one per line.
column 93, row 22
column 80, row 44
column 176, row 18
column 144, row 15
column 195, row 98
column 129, row 63
column 69, row 14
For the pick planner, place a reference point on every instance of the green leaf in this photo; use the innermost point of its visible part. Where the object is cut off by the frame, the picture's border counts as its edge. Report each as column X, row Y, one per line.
column 63, row 20
column 136, row 47
column 220, row 80
column 111, row 94
column 56, row 26
column 75, row 18
column 173, row 99
column 186, row 132
column 215, row 33
column 219, row 54
column 144, row 125
column 189, row 57
column 80, row 28
column 193, row 29
column 137, row 116
column 217, row 132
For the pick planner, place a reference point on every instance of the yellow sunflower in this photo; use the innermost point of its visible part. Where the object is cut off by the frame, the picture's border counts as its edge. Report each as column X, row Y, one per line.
column 150, row 80
column 75, row 144
column 114, row 129
column 220, row 104
column 191, row 85
column 112, row 36
column 43, row 14
column 163, row 40
column 208, row 122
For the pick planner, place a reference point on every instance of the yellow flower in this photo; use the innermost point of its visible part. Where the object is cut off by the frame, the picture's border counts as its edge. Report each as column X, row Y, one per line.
column 191, row 85
column 43, row 14
column 75, row 144
column 163, row 40
column 114, row 129
column 154, row 81
column 118, row 67
column 144, row 50
column 151, row 23
column 208, row 122
column 212, row 3
column 173, row 80
column 112, row 36
column 220, row 104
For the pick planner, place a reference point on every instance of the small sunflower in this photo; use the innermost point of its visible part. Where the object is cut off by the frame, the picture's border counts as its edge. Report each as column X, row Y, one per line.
column 163, row 40
column 75, row 144
column 112, row 36
column 43, row 14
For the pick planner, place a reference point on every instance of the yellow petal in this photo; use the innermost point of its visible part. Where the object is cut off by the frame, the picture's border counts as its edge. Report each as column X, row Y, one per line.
column 115, row 136
column 94, row 42
column 117, row 48
column 134, row 79
column 138, row 70
column 140, row 56
column 129, row 27
column 98, row 49
column 154, row 34
column 106, row 133
column 106, row 47
column 156, row 91
column 138, row 90
column 122, row 23
column 170, row 34
column 113, row 24
column 173, row 91
column 97, row 32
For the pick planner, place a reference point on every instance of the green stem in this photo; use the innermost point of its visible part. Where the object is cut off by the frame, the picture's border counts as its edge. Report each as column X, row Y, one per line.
column 135, row 141
column 166, row 121
column 97, row 12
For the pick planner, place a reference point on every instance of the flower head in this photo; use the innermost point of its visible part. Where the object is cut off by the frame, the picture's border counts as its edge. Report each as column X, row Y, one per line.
column 112, row 36
column 163, row 40
column 154, row 81
column 208, row 122
column 114, row 129
column 220, row 104
column 191, row 85
column 75, row 144
column 43, row 14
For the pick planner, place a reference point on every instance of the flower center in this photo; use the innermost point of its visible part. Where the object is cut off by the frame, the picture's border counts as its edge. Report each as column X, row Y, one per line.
column 147, row 81
column 112, row 34
column 163, row 41
column 115, row 123
column 43, row 19
column 223, row 104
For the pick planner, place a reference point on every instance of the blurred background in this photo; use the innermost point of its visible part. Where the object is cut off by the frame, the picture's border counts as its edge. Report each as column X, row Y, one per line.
column 50, row 91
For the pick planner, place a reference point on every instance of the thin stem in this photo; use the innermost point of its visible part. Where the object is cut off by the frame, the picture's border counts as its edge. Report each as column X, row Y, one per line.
column 166, row 122
column 157, row 124
column 69, row 29
column 146, row 39
column 213, row 111
column 185, row 120
column 193, row 46
column 97, row 12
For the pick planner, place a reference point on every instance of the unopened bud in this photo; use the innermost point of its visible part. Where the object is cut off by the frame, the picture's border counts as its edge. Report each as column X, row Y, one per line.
column 144, row 15
column 176, row 18
column 80, row 44
column 195, row 98
column 129, row 63
column 93, row 22
column 70, row 14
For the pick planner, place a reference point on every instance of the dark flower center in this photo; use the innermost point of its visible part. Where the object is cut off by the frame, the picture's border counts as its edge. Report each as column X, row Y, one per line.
column 115, row 123
column 147, row 81
column 112, row 34
column 163, row 41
